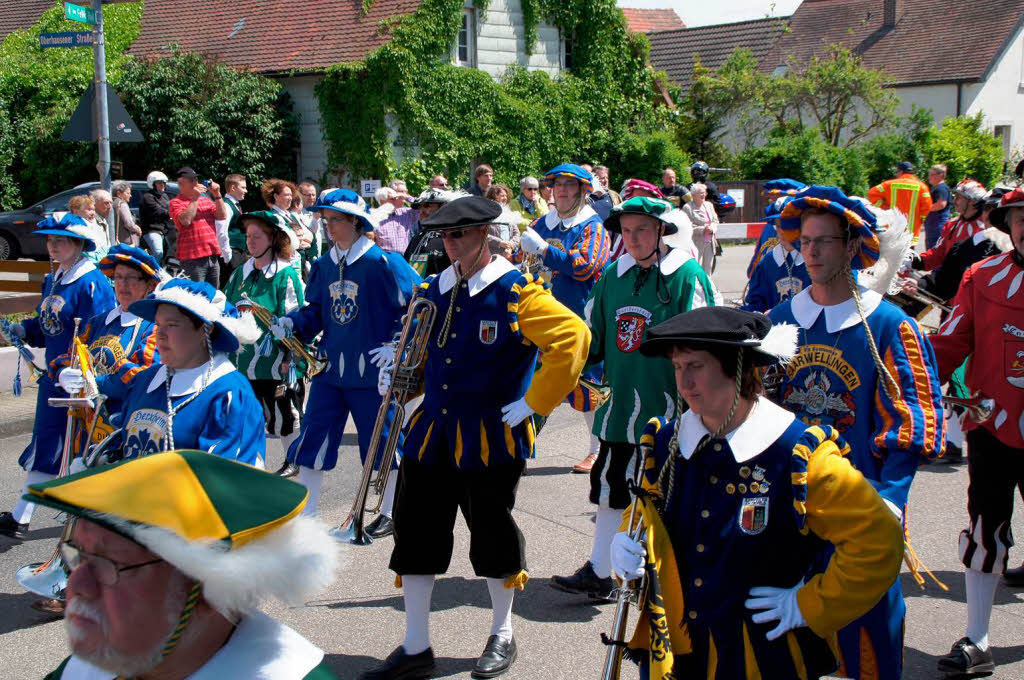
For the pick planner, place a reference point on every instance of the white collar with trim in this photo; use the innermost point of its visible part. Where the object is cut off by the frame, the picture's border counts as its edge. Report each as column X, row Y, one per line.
column 673, row 260
column 492, row 271
column 837, row 317
column 77, row 271
column 354, row 252
column 268, row 271
column 260, row 648
column 189, row 380
column 553, row 221
column 127, row 318
column 763, row 426
column 779, row 253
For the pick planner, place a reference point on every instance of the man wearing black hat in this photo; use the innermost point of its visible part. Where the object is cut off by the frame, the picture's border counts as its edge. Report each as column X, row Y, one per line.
column 987, row 315
column 467, row 444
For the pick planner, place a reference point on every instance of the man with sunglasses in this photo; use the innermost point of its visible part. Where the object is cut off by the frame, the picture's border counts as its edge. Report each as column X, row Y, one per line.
column 468, row 442
column 159, row 586
column 864, row 368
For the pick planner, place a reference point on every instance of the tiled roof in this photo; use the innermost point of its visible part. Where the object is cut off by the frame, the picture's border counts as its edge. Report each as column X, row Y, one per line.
column 17, row 14
column 932, row 41
column 647, row 20
column 674, row 51
column 268, row 35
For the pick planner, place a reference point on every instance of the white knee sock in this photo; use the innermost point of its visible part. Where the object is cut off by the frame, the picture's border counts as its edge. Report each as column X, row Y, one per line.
column 607, row 524
column 595, row 443
column 23, row 510
column 388, row 502
column 954, row 432
column 501, row 608
column 312, row 480
column 981, row 594
column 416, row 591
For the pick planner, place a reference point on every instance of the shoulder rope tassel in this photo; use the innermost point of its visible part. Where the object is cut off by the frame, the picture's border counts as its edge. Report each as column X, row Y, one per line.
column 892, row 388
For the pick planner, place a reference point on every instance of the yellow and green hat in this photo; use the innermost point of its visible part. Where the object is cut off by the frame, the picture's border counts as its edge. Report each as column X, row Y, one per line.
column 232, row 527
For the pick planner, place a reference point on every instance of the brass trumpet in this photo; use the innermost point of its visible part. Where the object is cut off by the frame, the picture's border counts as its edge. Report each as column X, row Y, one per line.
column 602, row 392
column 410, row 353
column 979, row 408
column 291, row 343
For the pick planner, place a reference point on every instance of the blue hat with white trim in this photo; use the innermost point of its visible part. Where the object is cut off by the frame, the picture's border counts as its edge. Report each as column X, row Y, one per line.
column 570, row 170
column 347, row 202
column 69, row 225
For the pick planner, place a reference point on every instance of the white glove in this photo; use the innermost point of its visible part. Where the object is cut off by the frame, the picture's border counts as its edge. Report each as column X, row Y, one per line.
column 382, row 356
column 384, row 379
column 71, row 380
column 516, row 412
column 77, row 465
column 533, row 243
column 780, row 605
column 628, row 557
column 282, row 328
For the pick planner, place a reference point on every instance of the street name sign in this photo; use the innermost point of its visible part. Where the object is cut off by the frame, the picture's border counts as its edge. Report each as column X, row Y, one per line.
column 70, row 39
column 82, row 15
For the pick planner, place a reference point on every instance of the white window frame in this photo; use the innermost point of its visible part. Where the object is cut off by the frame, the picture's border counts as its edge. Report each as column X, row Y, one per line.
column 565, row 51
column 468, row 29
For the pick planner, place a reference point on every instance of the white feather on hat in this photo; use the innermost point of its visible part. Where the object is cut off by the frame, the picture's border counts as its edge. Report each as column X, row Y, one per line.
column 243, row 327
column 894, row 248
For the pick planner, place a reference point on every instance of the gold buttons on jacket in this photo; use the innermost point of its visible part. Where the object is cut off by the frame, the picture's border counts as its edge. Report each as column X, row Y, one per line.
column 730, row 488
column 692, row 615
column 713, row 479
column 705, row 514
column 718, row 447
column 698, row 582
column 444, row 387
column 444, row 411
column 448, row 361
column 700, row 547
column 742, row 488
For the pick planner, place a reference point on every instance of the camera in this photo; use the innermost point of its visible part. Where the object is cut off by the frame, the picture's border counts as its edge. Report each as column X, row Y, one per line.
column 207, row 183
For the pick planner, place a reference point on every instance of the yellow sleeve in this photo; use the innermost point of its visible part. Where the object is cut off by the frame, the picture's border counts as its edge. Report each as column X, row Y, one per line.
column 562, row 338
column 842, row 507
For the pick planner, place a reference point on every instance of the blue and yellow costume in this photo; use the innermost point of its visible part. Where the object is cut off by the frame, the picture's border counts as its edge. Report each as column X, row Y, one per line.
column 356, row 299
column 780, row 191
column 770, row 487
column 833, row 381
column 777, row 277
column 82, row 292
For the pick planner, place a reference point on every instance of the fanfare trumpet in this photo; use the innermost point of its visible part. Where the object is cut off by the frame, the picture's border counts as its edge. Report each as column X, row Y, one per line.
column 410, row 353
column 291, row 343
column 601, row 392
column 979, row 407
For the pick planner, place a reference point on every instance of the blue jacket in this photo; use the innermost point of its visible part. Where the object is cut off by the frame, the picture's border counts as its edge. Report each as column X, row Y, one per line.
column 777, row 277
column 576, row 256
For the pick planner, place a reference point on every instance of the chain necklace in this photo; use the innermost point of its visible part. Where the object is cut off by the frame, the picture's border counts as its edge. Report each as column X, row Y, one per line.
column 173, row 410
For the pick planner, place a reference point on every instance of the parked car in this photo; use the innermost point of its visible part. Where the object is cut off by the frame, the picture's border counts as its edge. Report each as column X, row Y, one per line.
column 16, row 226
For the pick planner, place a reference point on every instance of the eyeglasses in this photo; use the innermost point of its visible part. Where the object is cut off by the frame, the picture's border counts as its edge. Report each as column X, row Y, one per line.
column 454, row 233
column 820, row 242
column 105, row 571
column 128, row 279
column 340, row 220
column 529, row 188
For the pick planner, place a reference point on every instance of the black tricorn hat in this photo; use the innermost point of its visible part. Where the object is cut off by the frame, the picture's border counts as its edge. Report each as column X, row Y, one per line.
column 726, row 327
column 464, row 212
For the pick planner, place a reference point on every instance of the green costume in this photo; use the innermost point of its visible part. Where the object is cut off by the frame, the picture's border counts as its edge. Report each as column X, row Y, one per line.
column 623, row 305
column 277, row 287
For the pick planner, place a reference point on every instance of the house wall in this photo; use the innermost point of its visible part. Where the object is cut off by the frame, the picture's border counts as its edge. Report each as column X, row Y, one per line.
column 500, row 43
column 1001, row 96
column 941, row 99
column 312, row 152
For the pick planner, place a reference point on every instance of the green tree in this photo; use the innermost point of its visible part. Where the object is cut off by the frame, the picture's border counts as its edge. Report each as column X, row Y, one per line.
column 716, row 98
column 967, row 149
column 800, row 152
column 907, row 142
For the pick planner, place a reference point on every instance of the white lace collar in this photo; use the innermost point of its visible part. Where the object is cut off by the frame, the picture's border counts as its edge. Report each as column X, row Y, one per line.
column 763, row 426
column 837, row 317
column 355, row 251
column 494, row 270
column 553, row 221
column 779, row 253
column 127, row 318
column 673, row 260
column 189, row 380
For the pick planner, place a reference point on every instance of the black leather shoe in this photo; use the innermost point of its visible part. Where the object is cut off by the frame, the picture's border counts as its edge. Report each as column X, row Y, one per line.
column 953, row 454
column 402, row 666
column 10, row 528
column 497, row 658
column 288, row 470
column 1014, row 577
column 585, row 582
column 381, row 527
column 966, row 660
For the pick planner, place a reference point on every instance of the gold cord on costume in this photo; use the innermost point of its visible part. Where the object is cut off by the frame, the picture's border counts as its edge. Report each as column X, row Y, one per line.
column 892, row 388
column 442, row 337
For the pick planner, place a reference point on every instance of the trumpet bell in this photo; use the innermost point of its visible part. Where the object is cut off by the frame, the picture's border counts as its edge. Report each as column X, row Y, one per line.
column 350, row 533
column 48, row 579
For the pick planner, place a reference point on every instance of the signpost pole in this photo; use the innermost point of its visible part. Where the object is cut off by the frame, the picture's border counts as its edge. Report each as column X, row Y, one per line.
column 102, row 114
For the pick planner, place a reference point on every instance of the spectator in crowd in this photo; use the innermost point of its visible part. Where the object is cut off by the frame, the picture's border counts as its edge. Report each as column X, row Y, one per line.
column 395, row 229
column 311, row 220
column 603, row 175
column 699, row 174
column 235, row 189
column 503, row 236
column 155, row 218
column 529, row 202
column 939, row 213
column 705, row 224
column 85, row 207
column 426, row 252
column 674, row 193
column 906, row 193
column 438, row 182
column 546, row 191
column 104, row 204
column 278, row 195
column 483, row 176
column 195, row 216
column 124, row 222
column 600, row 200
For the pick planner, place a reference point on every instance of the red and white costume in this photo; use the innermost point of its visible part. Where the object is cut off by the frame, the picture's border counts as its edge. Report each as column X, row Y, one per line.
column 953, row 232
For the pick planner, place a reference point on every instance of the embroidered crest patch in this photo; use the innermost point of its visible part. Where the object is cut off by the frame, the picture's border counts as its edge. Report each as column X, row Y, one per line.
column 1014, row 353
column 343, row 301
column 753, row 515
column 630, row 326
column 488, row 332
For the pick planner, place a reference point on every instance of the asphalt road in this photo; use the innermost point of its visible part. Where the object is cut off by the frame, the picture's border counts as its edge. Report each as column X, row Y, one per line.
column 360, row 620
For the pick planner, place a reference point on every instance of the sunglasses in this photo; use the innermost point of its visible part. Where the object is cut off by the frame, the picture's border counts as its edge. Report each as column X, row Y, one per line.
column 454, row 233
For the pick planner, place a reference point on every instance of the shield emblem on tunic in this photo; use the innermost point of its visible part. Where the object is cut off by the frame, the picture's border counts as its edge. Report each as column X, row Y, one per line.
column 753, row 515
column 1014, row 355
column 488, row 332
column 630, row 326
